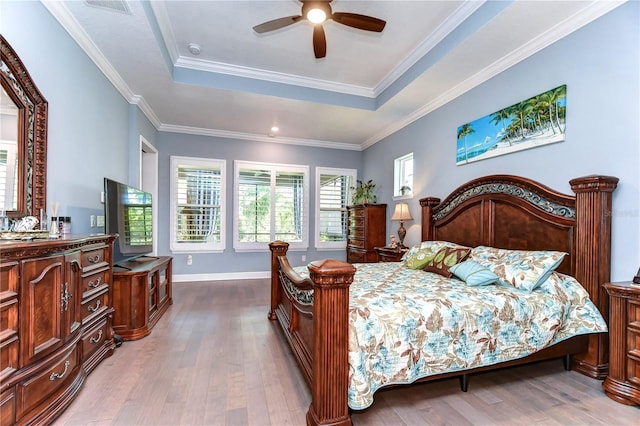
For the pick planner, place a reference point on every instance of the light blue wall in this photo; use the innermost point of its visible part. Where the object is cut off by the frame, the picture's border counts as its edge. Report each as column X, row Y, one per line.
column 88, row 118
column 233, row 149
column 601, row 67
column 93, row 131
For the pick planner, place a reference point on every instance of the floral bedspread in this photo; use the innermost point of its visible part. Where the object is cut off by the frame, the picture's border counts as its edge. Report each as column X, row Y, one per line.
column 406, row 324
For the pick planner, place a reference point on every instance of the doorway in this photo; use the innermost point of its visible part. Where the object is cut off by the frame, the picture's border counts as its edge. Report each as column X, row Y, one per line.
column 149, row 182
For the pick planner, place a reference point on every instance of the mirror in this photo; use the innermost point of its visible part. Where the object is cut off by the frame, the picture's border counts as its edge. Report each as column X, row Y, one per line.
column 23, row 139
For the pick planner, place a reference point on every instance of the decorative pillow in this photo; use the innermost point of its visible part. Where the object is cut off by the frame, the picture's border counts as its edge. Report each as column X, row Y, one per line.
column 473, row 273
column 444, row 259
column 420, row 254
column 417, row 257
column 522, row 269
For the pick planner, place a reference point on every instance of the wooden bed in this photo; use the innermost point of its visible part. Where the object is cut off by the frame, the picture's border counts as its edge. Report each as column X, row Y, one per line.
column 500, row 211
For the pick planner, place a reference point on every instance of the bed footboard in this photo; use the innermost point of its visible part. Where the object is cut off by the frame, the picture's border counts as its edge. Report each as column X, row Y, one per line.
column 318, row 331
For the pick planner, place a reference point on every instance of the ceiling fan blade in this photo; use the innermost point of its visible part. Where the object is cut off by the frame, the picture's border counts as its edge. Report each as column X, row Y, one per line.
column 319, row 41
column 361, row 22
column 276, row 24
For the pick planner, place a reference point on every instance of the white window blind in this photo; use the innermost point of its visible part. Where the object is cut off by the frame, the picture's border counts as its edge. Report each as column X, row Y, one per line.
column 138, row 214
column 198, row 197
column 8, row 176
column 333, row 194
column 271, row 204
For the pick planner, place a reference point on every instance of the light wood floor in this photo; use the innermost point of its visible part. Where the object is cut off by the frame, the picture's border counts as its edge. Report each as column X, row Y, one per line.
column 215, row 359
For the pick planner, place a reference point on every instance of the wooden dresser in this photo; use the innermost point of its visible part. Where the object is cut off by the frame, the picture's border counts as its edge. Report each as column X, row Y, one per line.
column 622, row 384
column 367, row 230
column 55, row 319
column 141, row 294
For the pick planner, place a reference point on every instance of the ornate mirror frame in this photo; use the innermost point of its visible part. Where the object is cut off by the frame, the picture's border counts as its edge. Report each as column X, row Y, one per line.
column 32, row 133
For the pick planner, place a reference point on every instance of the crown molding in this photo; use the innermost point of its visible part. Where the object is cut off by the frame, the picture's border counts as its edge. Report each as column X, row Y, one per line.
column 273, row 77
column 585, row 16
column 452, row 22
column 69, row 23
column 162, row 20
column 258, row 138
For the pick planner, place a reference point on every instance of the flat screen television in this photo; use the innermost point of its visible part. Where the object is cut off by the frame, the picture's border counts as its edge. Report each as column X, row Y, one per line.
column 128, row 213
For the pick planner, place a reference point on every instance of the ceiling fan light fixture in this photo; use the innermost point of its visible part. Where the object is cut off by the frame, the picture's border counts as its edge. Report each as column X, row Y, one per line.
column 316, row 15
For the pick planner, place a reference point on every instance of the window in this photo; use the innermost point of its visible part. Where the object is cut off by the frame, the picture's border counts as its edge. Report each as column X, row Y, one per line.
column 403, row 176
column 8, row 176
column 197, row 204
column 332, row 197
column 271, row 203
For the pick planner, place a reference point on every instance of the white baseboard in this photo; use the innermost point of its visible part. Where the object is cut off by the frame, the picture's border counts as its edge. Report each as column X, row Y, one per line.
column 180, row 278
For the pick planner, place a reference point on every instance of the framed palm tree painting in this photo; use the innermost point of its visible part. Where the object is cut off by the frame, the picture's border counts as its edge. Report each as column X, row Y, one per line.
column 539, row 120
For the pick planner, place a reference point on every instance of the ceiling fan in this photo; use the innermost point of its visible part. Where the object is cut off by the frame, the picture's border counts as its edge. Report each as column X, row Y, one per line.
column 318, row 12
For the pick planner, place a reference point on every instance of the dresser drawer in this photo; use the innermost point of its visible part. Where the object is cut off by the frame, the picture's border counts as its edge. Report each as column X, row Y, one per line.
column 356, row 256
column 93, row 339
column 355, row 243
column 8, row 279
column 356, row 233
column 94, row 282
column 95, row 306
column 9, row 355
column 48, row 382
column 356, row 212
column 8, row 407
column 356, row 222
column 94, row 258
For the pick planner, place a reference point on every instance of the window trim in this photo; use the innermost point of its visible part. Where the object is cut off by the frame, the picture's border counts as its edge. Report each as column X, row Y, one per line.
column 272, row 167
column 353, row 173
column 398, row 177
column 176, row 247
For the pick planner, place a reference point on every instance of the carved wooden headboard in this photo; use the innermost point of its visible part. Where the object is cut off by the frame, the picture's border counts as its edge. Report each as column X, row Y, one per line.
column 518, row 213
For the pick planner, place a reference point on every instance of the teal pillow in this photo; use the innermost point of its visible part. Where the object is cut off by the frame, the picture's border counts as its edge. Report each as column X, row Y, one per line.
column 473, row 273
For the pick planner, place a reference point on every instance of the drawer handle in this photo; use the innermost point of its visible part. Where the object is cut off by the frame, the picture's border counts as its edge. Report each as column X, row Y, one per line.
column 66, row 296
column 94, row 259
column 94, row 308
column 96, row 339
column 55, row 376
column 96, row 283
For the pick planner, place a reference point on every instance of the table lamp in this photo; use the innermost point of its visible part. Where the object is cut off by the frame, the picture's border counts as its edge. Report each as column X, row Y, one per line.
column 401, row 214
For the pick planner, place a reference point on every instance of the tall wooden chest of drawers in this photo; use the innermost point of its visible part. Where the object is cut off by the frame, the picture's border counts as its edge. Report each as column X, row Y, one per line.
column 623, row 382
column 367, row 230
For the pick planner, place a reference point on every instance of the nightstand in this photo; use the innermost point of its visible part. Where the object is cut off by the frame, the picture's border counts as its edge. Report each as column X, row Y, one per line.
column 623, row 382
column 388, row 254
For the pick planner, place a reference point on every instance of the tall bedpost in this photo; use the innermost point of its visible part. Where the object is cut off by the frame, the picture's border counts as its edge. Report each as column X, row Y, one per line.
column 593, row 261
column 428, row 231
column 329, row 388
column 278, row 248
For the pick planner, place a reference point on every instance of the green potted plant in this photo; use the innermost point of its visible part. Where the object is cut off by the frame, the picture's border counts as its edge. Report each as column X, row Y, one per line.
column 363, row 193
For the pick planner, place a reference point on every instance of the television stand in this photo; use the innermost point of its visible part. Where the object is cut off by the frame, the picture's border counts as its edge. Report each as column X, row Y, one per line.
column 141, row 295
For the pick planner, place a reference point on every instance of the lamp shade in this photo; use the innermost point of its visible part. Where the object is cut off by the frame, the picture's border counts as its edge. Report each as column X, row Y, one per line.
column 401, row 213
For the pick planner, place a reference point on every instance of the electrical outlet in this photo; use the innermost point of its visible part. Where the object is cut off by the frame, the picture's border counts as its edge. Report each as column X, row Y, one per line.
column 304, row 258
column 189, row 260
column 100, row 221
column 92, row 220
